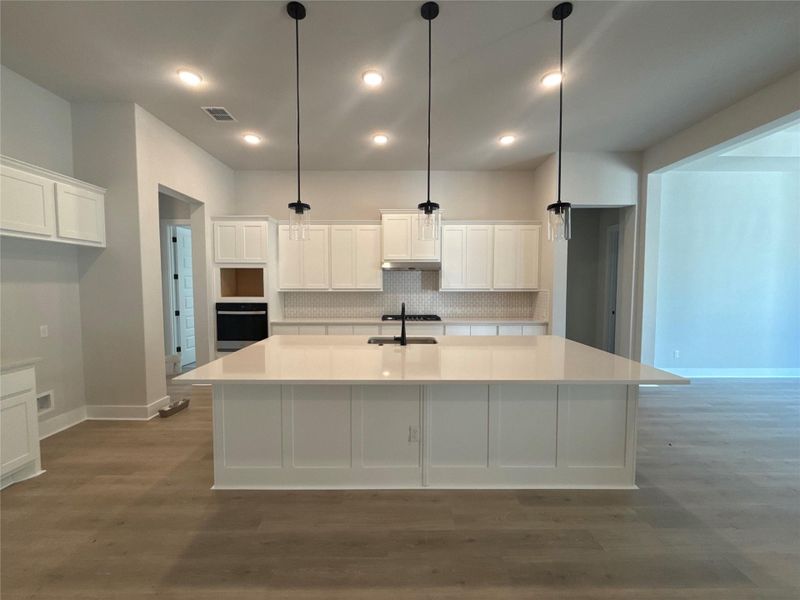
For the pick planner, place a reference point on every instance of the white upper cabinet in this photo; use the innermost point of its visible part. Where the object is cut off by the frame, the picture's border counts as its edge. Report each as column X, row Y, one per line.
column 516, row 257
column 240, row 241
column 400, row 239
column 80, row 213
column 27, row 203
column 369, row 275
column 39, row 204
column 490, row 257
column 478, row 253
column 303, row 265
column 356, row 257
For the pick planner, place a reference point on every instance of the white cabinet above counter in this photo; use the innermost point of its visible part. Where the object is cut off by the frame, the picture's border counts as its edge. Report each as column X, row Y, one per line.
column 490, row 257
column 338, row 257
column 400, row 239
column 39, row 204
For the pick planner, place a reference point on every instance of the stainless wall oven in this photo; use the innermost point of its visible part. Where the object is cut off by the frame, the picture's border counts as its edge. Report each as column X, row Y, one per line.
column 240, row 324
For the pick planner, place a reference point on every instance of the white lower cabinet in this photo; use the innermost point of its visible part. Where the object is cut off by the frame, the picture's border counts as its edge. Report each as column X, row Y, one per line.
column 483, row 330
column 19, row 427
column 39, row 204
column 534, row 330
column 456, row 330
column 366, row 329
column 509, row 330
column 340, row 330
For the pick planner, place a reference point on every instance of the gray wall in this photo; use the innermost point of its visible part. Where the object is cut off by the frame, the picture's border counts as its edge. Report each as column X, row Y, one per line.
column 728, row 295
column 36, row 124
column 39, row 281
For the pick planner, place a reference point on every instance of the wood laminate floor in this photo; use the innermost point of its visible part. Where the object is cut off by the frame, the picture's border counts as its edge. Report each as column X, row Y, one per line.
column 125, row 512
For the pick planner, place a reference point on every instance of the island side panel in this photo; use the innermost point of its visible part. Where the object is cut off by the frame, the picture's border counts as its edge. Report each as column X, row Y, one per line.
column 511, row 435
column 269, row 436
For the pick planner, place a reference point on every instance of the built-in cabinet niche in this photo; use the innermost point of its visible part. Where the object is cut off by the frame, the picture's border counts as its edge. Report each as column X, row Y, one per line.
column 241, row 282
column 39, row 204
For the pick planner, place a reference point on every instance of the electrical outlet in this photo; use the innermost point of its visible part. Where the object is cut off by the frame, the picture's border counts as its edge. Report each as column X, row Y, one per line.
column 676, row 354
column 43, row 331
column 413, row 434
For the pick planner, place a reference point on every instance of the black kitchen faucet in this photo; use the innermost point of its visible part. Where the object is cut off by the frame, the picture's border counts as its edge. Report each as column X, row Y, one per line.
column 402, row 339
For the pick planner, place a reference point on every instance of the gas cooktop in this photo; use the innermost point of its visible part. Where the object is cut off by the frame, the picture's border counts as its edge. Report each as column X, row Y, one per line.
column 411, row 318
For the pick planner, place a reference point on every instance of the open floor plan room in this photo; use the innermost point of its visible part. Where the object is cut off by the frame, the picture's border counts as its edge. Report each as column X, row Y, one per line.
column 356, row 299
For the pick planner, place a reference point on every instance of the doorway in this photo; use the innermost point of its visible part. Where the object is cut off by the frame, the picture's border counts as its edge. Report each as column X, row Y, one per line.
column 177, row 284
column 593, row 277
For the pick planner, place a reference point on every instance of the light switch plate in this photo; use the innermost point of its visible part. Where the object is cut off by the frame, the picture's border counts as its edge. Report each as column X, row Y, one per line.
column 43, row 331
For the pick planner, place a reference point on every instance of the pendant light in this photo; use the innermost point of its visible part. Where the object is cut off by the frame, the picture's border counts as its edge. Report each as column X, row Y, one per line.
column 559, row 225
column 429, row 217
column 298, row 210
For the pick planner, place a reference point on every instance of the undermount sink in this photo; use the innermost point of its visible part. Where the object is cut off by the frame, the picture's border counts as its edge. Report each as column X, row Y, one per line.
column 396, row 340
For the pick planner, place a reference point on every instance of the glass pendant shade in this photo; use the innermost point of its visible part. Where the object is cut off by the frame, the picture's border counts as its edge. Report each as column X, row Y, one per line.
column 429, row 222
column 299, row 221
column 559, row 221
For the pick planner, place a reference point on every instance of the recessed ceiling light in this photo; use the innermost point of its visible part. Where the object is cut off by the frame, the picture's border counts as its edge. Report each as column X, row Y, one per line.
column 551, row 79
column 380, row 139
column 372, row 78
column 252, row 138
column 507, row 140
column 190, row 78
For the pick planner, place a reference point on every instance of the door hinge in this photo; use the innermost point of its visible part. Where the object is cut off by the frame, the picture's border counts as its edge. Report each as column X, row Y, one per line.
column 178, row 349
column 174, row 239
column 177, row 313
column 175, row 276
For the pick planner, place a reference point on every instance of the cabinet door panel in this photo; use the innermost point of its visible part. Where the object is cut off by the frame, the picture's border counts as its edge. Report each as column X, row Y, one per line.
column 534, row 330
column 315, row 259
column 396, row 237
column 485, row 330
column 505, row 257
column 422, row 249
column 454, row 264
column 478, row 257
column 340, row 330
column 390, row 422
column 343, row 257
column 290, row 272
column 369, row 274
column 510, row 330
column 226, row 241
column 26, row 203
column 456, row 330
column 528, row 257
column 253, row 242
column 80, row 214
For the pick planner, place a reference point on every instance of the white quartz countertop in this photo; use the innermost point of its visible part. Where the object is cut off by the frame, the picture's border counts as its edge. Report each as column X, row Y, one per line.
column 348, row 359
column 378, row 321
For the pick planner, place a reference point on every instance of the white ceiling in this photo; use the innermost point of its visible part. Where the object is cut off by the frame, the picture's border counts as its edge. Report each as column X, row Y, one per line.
column 637, row 72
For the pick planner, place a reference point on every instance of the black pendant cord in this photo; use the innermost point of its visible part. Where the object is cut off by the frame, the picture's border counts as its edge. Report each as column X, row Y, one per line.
column 297, row 96
column 560, row 108
column 429, row 107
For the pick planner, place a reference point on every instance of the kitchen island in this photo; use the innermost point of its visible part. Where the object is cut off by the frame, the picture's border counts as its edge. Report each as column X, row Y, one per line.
column 334, row 412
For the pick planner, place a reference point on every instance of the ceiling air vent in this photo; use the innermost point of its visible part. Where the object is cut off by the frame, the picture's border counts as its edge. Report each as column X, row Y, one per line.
column 218, row 113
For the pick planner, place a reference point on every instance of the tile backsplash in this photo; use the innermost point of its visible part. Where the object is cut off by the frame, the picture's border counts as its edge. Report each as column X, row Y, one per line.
column 420, row 291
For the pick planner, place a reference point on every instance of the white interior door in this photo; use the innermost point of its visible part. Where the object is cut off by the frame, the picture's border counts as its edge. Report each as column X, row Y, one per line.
column 184, row 294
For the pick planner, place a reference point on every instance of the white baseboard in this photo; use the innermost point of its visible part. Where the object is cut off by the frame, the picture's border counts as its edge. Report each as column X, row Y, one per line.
column 61, row 422
column 734, row 373
column 112, row 412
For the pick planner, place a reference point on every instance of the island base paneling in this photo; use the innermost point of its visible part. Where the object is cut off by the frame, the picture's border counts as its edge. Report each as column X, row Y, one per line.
column 504, row 435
